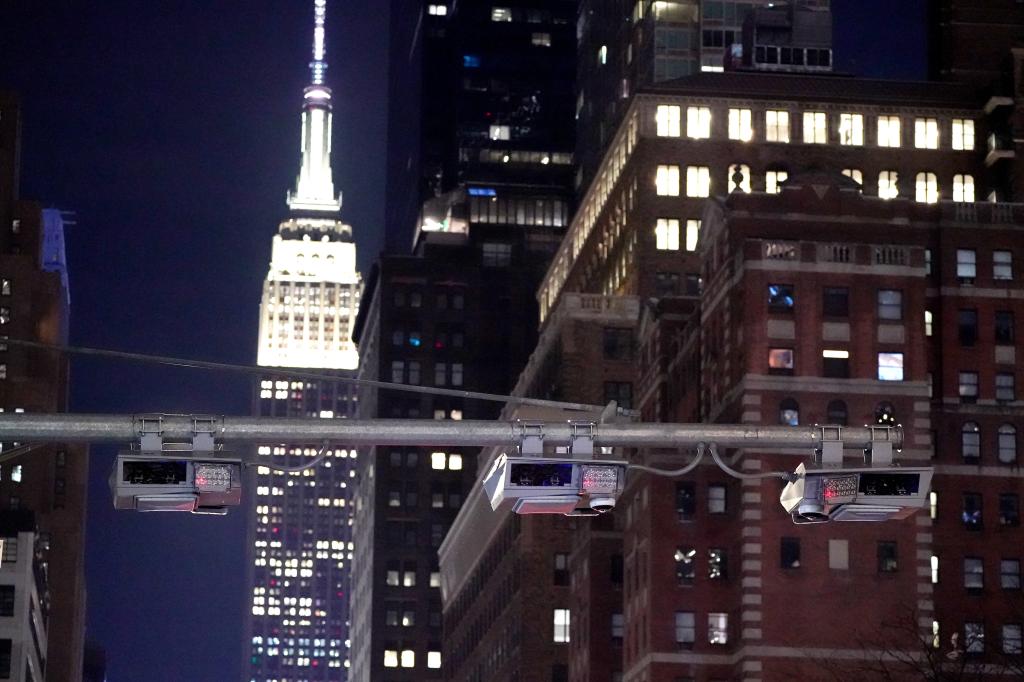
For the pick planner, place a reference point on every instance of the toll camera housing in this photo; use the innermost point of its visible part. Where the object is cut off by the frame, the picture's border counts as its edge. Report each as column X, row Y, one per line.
column 856, row 494
column 175, row 481
column 541, row 485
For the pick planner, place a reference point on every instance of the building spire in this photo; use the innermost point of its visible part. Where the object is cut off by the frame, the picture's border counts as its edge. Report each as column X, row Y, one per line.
column 314, row 188
column 318, row 65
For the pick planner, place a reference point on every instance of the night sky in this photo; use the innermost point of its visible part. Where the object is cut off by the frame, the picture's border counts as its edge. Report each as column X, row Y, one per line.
column 171, row 129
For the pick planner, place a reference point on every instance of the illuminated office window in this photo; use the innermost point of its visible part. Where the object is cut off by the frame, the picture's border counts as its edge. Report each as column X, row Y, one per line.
column 963, row 134
column 667, row 181
column 739, row 178
column 851, row 129
column 854, row 174
column 501, row 14
column 668, row 120
column 698, row 181
column 815, row 127
column 888, row 185
column 740, row 125
column 692, row 233
column 773, row 181
column 561, row 623
column 963, row 187
column 926, row 188
column 888, row 131
column 698, row 122
column 776, row 127
column 926, row 133
column 666, row 234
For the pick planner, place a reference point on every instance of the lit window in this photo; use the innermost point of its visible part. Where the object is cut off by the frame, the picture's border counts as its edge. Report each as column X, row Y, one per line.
column 851, row 129
column 966, row 265
column 974, row 573
column 740, row 126
column 928, row 323
column 926, row 133
column 668, row 120
column 698, row 122
column 854, row 174
column 437, row 460
column 561, row 622
column 718, row 628
column 692, row 233
column 1005, row 388
column 780, row 360
column 437, row 10
column 739, row 178
column 974, row 637
column 5, row 287
column 686, row 629
column 16, row 473
column 1009, row 574
column 716, row 499
column 666, row 234
column 718, row 565
column 971, row 515
column 1012, row 639
column 890, row 366
column 935, row 569
column 602, row 55
column 1002, row 265
column 963, row 188
column 888, row 131
column 789, row 412
column 541, row 39
column 773, row 181
column 927, row 188
column 835, row 363
column 888, row 185
column 968, row 386
column 500, row 132
column 434, row 660
column 1007, row 444
column 408, row 658
column 667, row 181
column 685, row 558
column 455, row 462
column 781, row 297
column 963, row 133
column 501, row 14
column 5, row 315
column 3, row 370
column 698, row 181
column 815, row 127
column 890, row 304
column 776, row 127
column 390, row 658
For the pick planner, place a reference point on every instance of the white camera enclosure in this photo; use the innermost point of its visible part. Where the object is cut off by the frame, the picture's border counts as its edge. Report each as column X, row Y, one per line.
column 859, row 494
column 173, row 481
column 541, row 485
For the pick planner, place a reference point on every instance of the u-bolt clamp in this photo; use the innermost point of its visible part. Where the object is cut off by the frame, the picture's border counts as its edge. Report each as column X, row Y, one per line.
column 151, row 432
column 581, row 439
column 529, row 438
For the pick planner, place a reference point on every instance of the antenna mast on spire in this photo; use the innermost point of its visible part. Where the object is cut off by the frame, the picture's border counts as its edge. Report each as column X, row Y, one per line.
column 318, row 65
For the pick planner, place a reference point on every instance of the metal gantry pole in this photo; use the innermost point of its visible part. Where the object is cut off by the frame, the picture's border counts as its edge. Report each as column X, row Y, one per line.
column 27, row 428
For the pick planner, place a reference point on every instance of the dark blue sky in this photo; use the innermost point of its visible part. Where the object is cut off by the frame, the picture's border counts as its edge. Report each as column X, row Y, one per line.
column 172, row 130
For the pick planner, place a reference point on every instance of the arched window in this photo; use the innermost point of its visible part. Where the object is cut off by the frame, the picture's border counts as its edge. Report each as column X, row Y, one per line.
column 837, row 413
column 970, row 441
column 885, row 414
column 789, row 412
column 1007, row 444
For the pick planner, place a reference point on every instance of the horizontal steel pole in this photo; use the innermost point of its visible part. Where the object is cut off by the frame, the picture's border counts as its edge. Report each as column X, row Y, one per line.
column 413, row 432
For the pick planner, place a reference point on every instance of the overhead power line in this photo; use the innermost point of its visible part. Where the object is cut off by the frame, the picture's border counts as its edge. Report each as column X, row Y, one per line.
column 283, row 372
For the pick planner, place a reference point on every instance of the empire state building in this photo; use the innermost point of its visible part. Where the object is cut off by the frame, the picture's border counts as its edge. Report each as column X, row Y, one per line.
column 299, row 529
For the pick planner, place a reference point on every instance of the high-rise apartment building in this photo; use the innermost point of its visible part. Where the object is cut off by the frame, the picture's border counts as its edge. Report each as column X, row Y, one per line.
column 47, row 480
column 299, row 538
column 864, row 195
column 626, row 45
